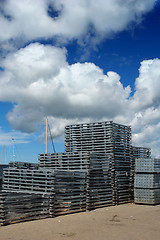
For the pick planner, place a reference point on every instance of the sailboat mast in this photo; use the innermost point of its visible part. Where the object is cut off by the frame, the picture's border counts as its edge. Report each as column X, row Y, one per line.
column 46, row 136
column 13, row 149
column 5, row 154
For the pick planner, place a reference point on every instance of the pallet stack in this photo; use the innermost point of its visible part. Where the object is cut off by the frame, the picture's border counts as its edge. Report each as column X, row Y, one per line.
column 24, row 165
column 136, row 153
column 34, row 180
column 95, row 171
column 104, row 138
column 96, row 182
column 70, row 192
column 139, row 152
column 122, row 163
column 147, row 181
column 19, row 207
column 2, row 166
column 111, row 139
column 99, row 137
column 89, row 137
column 64, row 161
column 99, row 181
column 74, row 160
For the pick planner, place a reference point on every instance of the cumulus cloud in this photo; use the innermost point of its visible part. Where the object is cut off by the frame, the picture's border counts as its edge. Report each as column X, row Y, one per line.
column 147, row 85
column 148, row 136
column 145, row 106
column 83, row 20
column 40, row 82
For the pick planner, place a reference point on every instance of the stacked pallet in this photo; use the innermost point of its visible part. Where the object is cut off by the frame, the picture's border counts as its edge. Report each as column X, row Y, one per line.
column 74, row 160
column 107, row 138
column 2, row 166
column 98, row 137
column 70, row 192
column 94, row 171
column 99, row 181
column 121, row 163
column 147, row 181
column 136, row 153
column 139, row 152
column 121, row 145
column 23, row 165
column 123, row 193
column 64, row 161
column 90, row 137
column 28, row 180
column 19, row 207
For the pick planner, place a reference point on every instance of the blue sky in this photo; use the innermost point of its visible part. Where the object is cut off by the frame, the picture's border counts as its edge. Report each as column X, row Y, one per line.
column 77, row 61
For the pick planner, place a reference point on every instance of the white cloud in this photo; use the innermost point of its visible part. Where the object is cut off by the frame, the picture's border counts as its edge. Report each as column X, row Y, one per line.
column 29, row 20
column 147, row 85
column 148, row 136
column 145, row 106
column 40, row 82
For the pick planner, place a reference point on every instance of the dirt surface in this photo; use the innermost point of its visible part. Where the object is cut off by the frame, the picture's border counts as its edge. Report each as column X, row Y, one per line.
column 123, row 222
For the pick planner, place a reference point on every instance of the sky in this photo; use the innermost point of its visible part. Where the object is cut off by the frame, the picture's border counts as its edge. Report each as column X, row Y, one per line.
column 76, row 61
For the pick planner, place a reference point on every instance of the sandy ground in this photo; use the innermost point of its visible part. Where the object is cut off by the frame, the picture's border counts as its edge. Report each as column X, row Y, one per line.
column 123, row 222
